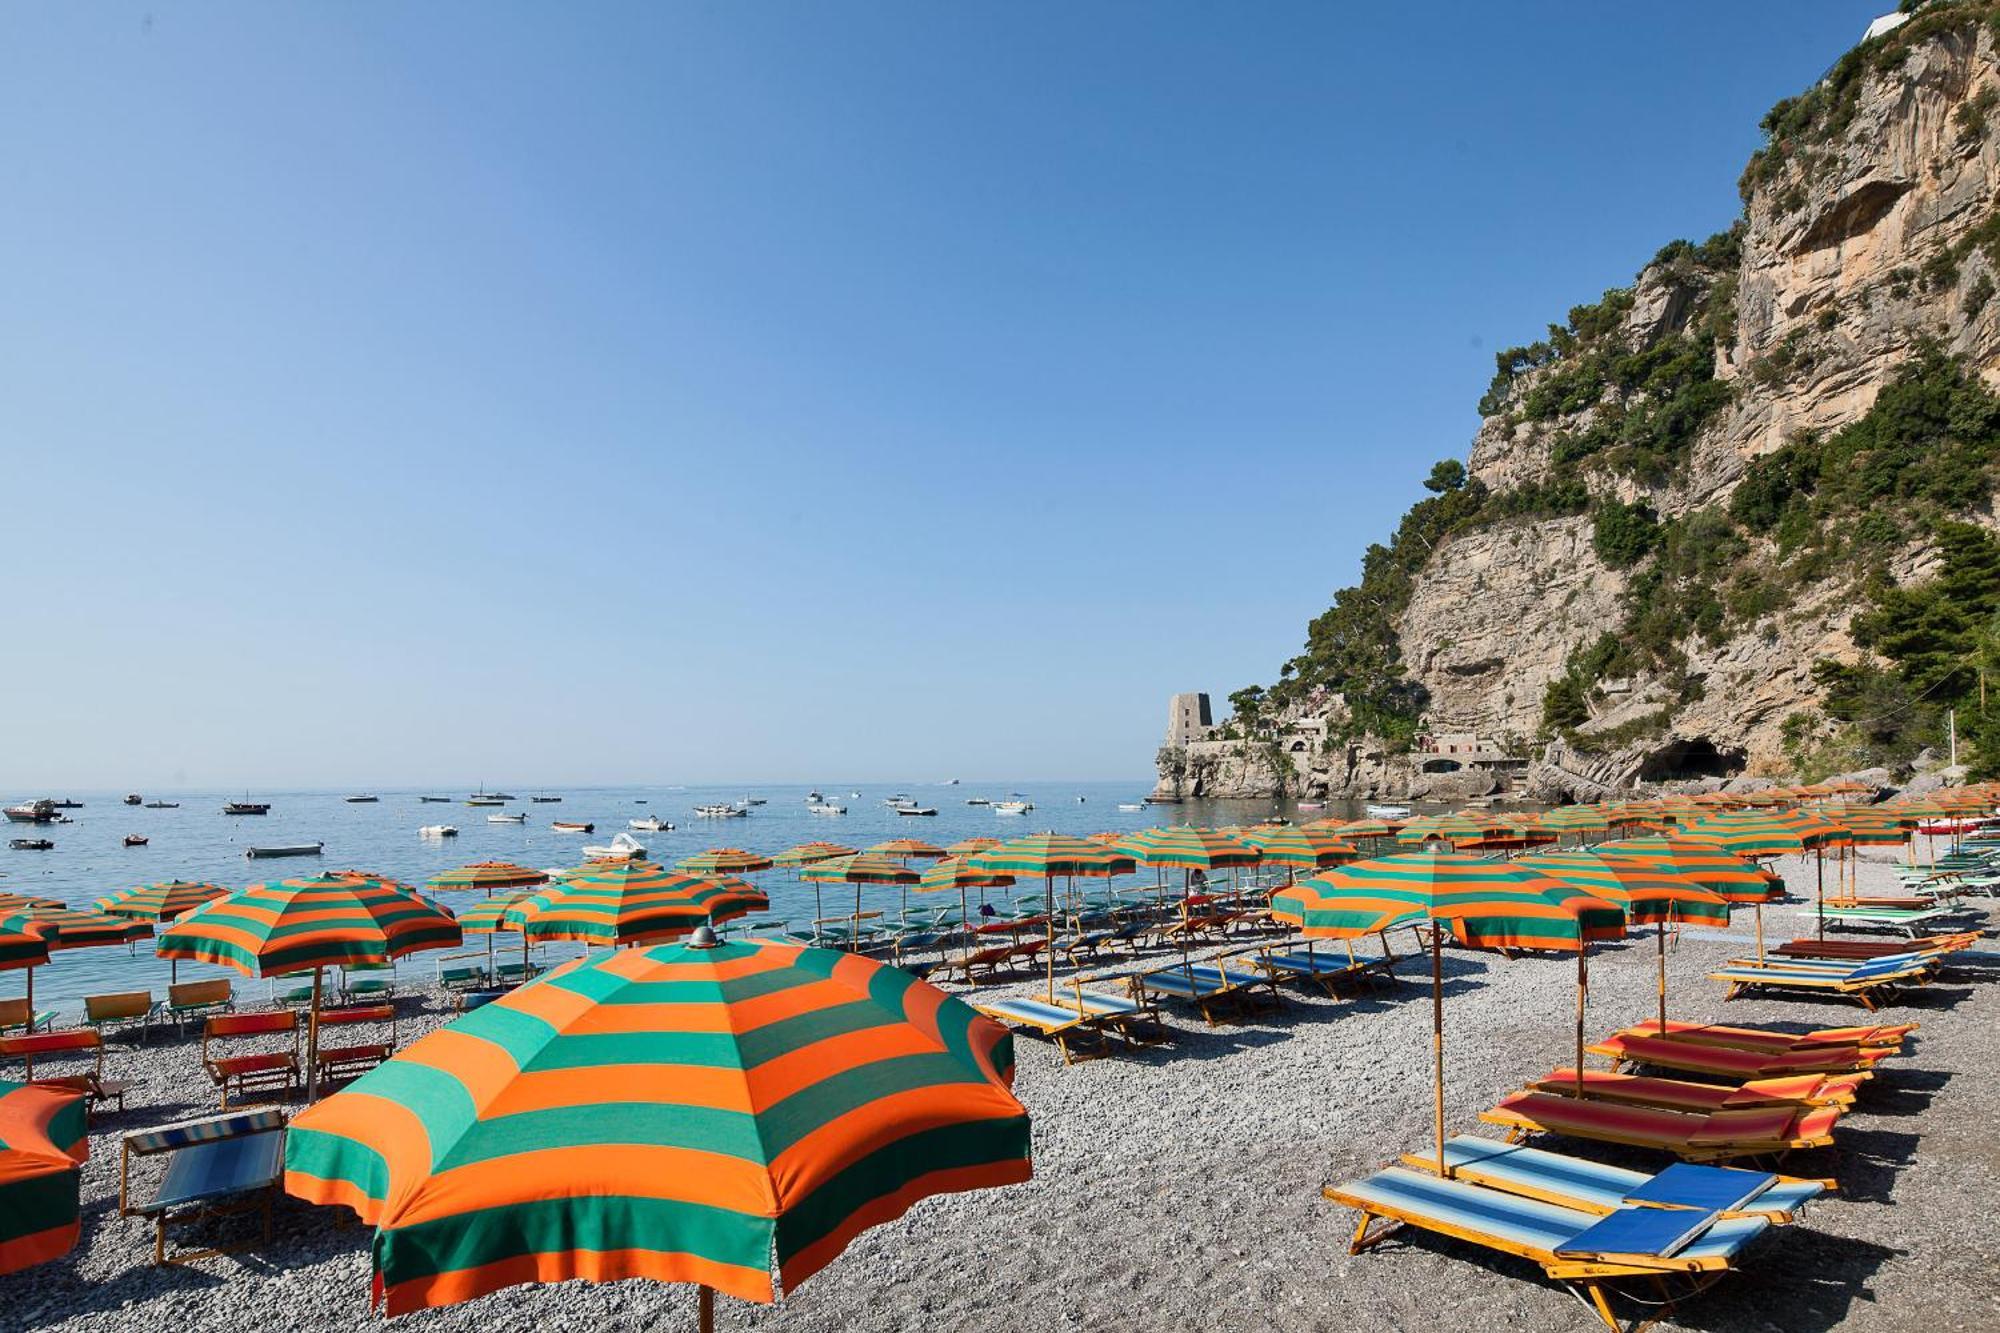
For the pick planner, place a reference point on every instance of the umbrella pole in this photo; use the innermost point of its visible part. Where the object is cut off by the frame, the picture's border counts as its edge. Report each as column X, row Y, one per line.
column 1437, row 1034
column 1582, row 989
column 1819, row 864
column 1660, row 934
column 704, row 1310
column 312, row 1041
column 1758, row 909
column 965, row 936
column 1049, row 904
column 854, row 939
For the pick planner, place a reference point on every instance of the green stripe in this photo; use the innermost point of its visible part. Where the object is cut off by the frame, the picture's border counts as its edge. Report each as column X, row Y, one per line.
column 38, row 1203
column 325, row 1156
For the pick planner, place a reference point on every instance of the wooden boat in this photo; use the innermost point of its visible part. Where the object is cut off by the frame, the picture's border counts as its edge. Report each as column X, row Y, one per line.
column 31, row 845
column 286, row 849
column 246, row 808
column 567, row 826
column 163, row 805
column 362, row 800
column 135, row 840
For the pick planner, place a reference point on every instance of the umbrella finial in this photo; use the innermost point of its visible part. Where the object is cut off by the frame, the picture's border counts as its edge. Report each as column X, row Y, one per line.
column 704, row 937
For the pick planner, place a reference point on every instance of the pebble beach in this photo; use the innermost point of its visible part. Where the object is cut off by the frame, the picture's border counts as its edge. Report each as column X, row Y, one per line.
column 1179, row 1187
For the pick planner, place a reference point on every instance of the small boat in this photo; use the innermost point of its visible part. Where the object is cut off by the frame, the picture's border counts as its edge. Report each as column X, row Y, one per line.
column 31, row 845
column 753, row 800
column 32, row 812
column 721, row 811
column 650, row 824
column 163, row 805
column 977, row 800
column 246, row 808
column 1131, row 805
column 434, row 800
column 813, row 796
column 286, row 849
column 135, row 840
column 1386, row 811
column 638, row 800
column 951, row 782
column 1081, row 799
column 900, row 798
column 521, row 818
column 916, row 809
column 484, row 800
column 1012, row 807
column 132, row 798
column 826, row 808
column 546, row 800
column 1312, row 805
column 567, row 826
column 361, row 800
column 623, row 847
column 437, row 831
column 67, row 805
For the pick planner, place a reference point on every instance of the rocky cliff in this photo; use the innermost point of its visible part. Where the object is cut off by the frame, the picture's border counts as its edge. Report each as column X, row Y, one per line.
column 1590, row 588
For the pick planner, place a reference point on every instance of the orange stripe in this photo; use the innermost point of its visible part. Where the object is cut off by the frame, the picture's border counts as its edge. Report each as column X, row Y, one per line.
column 832, row 1147
column 892, row 1206
column 637, row 1171
column 589, row 1265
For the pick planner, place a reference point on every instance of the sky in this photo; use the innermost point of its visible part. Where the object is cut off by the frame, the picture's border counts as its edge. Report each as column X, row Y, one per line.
column 683, row 392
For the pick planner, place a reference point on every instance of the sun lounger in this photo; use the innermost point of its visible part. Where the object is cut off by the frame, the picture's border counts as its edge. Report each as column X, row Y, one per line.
column 1328, row 971
column 355, row 1058
column 190, row 999
column 1866, row 984
column 1673, row 1094
column 1059, row 1023
column 1705, row 1243
column 14, row 1017
column 223, row 1164
column 360, row 982
column 1887, row 918
column 1717, row 1136
column 1773, row 1040
column 1179, row 982
column 1135, row 1020
column 108, row 1013
column 1733, row 1062
column 77, row 1043
column 1241, row 979
column 1593, row 1187
column 1937, row 947
column 262, row 1070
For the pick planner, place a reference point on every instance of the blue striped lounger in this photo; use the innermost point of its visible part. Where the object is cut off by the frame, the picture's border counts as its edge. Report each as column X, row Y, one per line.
column 1585, row 1184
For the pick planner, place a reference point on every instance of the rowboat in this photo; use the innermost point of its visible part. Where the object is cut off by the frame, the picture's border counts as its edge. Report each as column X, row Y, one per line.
column 916, row 809
column 135, row 840
column 721, row 811
column 507, row 819
column 288, row 849
column 246, row 808
column 31, row 845
column 565, row 826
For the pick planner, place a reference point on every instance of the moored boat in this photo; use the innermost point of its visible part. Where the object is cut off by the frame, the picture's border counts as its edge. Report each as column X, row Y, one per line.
column 286, row 849
column 31, row 844
column 163, row 805
column 570, row 826
column 135, row 840
column 1387, row 811
column 32, row 812
column 434, row 800
column 721, row 811
column 826, row 808
column 1012, row 807
column 546, row 800
column 916, row 810
column 132, row 798
column 650, row 824
column 247, row 808
column 437, row 831
column 1130, row 805
column 67, row 805
column 363, row 800
column 507, row 819
column 622, row 847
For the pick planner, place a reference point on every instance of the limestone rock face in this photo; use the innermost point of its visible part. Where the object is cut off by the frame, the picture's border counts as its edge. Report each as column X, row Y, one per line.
column 1876, row 230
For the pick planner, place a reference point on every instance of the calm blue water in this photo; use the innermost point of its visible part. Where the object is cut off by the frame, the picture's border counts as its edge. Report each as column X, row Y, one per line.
column 198, row 842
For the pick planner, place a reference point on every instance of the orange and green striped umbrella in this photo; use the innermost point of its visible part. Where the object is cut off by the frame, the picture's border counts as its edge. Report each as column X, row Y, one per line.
column 1356, row 829
column 1187, row 848
column 724, row 861
column 159, row 902
column 806, row 853
column 1486, row 903
column 1052, row 854
column 1460, row 827
column 971, row 846
column 1877, row 825
column 955, row 872
column 60, row 928
column 697, row 1113
column 318, row 921
column 909, row 849
column 23, row 948
column 1300, row 846
column 630, row 902
column 860, row 868
column 1759, row 833
column 489, row 875
column 488, row 915
column 43, row 1145
column 1576, row 819
column 1704, row 865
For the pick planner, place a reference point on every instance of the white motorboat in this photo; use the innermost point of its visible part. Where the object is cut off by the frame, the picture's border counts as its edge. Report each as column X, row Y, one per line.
column 1130, row 805
column 753, row 800
column 826, row 808
column 1012, row 807
column 722, row 811
column 32, row 812
column 650, row 824
column 813, row 798
column 572, row 826
column 622, row 847
column 521, row 818
column 1387, row 811
column 437, row 831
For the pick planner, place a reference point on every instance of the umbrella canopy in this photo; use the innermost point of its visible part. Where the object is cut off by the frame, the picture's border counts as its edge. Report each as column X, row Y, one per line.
column 1300, row 846
column 861, row 868
column 1454, row 828
column 971, row 846
column 1052, row 854
column 806, row 853
column 1187, row 848
column 909, row 848
column 43, row 1143
column 490, row 876
column 1704, row 865
column 1576, row 819
column 159, row 902
column 1356, row 829
column 1485, row 903
column 488, row 915
column 23, row 948
column 956, row 872
column 69, row 927
column 629, row 902
column 724, row 861
column 1761, row 832
column 678, row 1112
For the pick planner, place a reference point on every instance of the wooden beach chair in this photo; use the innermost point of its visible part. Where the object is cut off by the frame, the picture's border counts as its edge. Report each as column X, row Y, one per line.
column 69, row 1044
column 1066, row 1027
column 1890, row 1035
column 1867, row 984
column 1717, row 1136
column 198, row 999
column 124, row 1009
column 260, row 1070
column 14, row 1017
column 1245, row 982
column 1587, row 1247
column 1134, row 1020
column 1206, row 992
column 355, row 1058
column 1673, row 1094
column 364, row 982
column 218, row 1165
column 1626, row 1051
column 1938, row 947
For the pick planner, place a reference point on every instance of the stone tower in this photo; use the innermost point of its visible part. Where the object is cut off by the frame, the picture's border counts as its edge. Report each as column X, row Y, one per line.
column 1188, row 719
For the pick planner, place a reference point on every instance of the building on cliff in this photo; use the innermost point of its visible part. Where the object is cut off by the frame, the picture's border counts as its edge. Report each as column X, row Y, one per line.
column 1189, row 719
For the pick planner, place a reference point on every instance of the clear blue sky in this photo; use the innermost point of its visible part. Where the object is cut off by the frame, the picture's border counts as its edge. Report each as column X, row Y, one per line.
column 670, row 392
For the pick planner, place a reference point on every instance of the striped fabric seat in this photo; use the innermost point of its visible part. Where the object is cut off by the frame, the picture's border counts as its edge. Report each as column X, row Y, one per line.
column 1734, row 1062
column 166, row 1138
column 1770, row 1039
column 1717, row 1136
column 1860, row 985
column 1674, row 1094
column 1032, row 1013
column 1587, row 1185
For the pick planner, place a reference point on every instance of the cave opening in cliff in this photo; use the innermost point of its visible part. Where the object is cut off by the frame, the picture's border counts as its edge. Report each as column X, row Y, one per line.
column 1680, row 761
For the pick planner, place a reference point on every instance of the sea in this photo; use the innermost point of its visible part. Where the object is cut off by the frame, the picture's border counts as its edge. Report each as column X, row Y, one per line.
column 198, row 842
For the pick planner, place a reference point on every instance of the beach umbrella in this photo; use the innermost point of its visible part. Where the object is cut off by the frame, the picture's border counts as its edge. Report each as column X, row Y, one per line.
column 807, row 853
column 43, row 1145
column 1486, row 904
column 287, row 926
column 724, row 861
column 971, row 846
column 1759, row 833
column 28, row 947
column 910, row 849
column 488, row 917
column 159, row 903
column 1189, row 849
column 1357, row 830
column 1048, row 855
column 1730, row 877
column 1577, row 819
column 696, row 1112
column 629, row 902
column 489, row 876
column 1299, row 847
column 1650, row 896
column 857, row 869
column 1460, row 827
column 957, row 872
column 61, row 928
